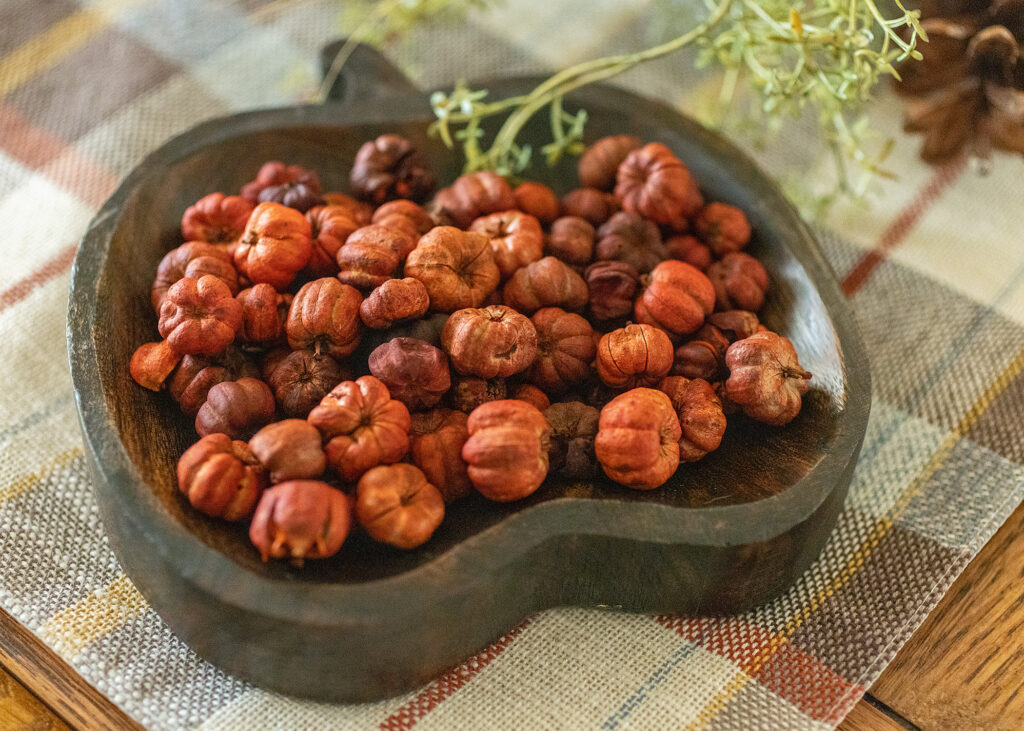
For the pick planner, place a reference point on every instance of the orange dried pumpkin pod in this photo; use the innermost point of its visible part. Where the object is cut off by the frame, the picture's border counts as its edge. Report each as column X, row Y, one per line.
column 690, row 250
column 565, row 350
column 407, row 217
column 490, row 342
column 236, row 408
column 264, row 313
column 396, row 505
column 221, row 477
column 324, row 318
column 358, row 211
column 765, row 378
column 654, row 183
column 415, row 372
column 370, row 256
column 701, row 418
column 632, row 356
column 723, row 228
column 289, row 449
column 390, row 167
column 532, row 395
column 152, row 364
column 516, row 239
column 637, row 440
column 573, row 429
column 197, row 374
column 457, row 268
column 436, row 438
column 275, row 173
column 301, row 519
column 677, row 299
column 630, row 238
column 571, row 240
column 276, row 244
column 740, row 282
column 549, row 282
column 393, row 301
column 507, row 449
column 471, row 196
column 590, row 204
column 330, row 227
column 600, row 162
column 197, row 257
column 537, row 200
column 300, row 379
column 216, row 218
column 199, row 316
column 702, row 356
column 612, row 287
column 362, row 426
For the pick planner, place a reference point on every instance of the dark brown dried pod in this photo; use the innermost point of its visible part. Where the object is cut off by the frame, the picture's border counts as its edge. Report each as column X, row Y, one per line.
column 277, row 173
column 415, row 373
column 300, row 379
column 390, row 167
column 735, row 324
column 630, row 238
column 299, row 196
column 289, row 449
column 571, row 450
column 591, row 204
column 600, row 163
column 571, row 240
column 702, row 356
column 236, row 408
column 197, row 374
column 468, row 392
column 612, row 286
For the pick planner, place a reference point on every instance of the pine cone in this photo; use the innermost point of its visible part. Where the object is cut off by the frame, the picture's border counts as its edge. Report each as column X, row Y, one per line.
column 967, row 93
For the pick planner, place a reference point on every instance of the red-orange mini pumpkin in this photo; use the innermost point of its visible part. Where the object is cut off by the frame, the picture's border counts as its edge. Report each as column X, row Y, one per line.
column 722, row 227
column 324, row 318
column 655, row 183
column 765, row 378
column 507, row 449
column 221, row 477
column 216, row 218
column 599, row 164
column 635, row 355
column 301, row 519
column 677, row 299
column 199, row 316
column 435, row 443
column 264, row 313
column 637, row 440
column 396, row 505
column 471, row 196
column 192, row 259
column 549, row 282
column 330, row 227
column 276, row 244
column 700, row 415
column 516, row 239
column 457, row 268
column 565, row 350
column 490, row 342
column 537, row 200
column 362, row 426
column 370, row 256
column 740, row 282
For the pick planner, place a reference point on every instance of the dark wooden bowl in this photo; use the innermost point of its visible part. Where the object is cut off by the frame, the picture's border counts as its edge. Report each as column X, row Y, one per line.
column 725, row 534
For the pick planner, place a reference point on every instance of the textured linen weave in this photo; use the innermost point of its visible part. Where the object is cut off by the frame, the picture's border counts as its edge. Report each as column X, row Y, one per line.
column 87, row 88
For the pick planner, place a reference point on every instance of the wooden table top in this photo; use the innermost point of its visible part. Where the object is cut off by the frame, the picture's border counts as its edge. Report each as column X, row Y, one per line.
column 961, row 669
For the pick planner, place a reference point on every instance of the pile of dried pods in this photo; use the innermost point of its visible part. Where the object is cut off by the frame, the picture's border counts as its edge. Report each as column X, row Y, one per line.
column 368, row 354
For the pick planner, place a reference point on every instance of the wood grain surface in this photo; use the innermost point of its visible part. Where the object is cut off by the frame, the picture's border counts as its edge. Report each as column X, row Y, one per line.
column 65, row 692
column 19, row 709
column 964, row 667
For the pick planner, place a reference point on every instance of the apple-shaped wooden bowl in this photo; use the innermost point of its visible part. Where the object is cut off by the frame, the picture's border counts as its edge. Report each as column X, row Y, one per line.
column 724, row 534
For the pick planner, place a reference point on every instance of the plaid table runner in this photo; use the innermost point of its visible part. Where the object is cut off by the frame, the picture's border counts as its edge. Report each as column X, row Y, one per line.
column 935, row 271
